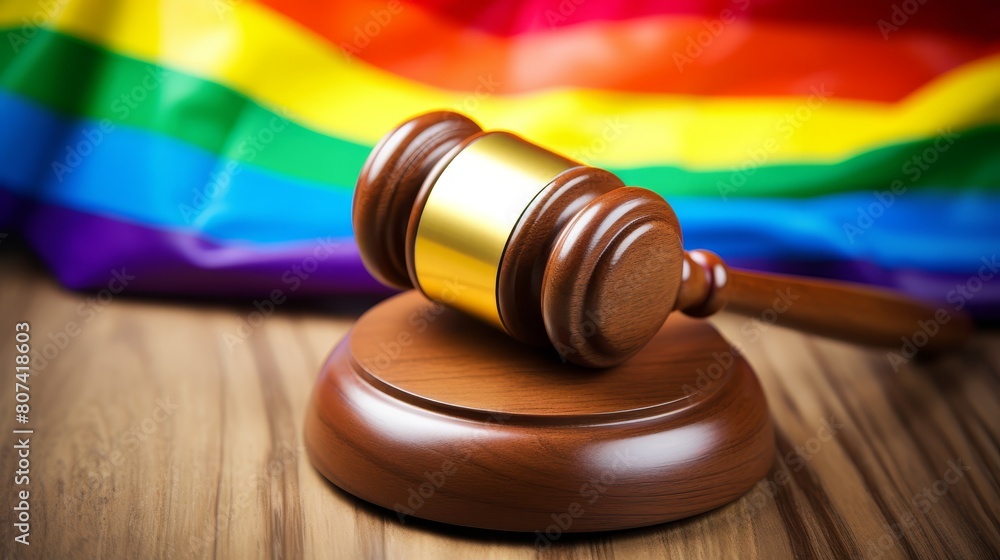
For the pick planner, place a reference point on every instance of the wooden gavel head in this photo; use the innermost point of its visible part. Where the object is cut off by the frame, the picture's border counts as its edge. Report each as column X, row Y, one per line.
column 548, row 249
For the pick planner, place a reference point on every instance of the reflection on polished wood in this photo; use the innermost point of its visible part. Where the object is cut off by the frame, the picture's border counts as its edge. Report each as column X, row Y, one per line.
column 864, row 462
column 535, row 244
column 426, row 411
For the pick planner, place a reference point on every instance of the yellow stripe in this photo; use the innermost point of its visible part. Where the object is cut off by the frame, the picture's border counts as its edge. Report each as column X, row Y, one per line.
column 279, row 64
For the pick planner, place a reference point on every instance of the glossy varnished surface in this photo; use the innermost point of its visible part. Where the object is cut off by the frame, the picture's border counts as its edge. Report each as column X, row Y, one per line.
column 226, row 474
column 519, row 280
column 389, row 184
column 612, row 277
column 518, row 437
column 850, row 312
column 615, row 267
column 453, row 359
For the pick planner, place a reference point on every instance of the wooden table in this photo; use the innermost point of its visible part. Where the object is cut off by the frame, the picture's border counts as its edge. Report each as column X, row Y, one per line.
column 161, row 432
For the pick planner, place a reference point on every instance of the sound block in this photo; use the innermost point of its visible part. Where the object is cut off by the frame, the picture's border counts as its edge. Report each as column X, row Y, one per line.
column 429, row 413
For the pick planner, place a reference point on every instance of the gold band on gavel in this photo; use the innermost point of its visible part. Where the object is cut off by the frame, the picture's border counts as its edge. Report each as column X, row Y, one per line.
column 471, row 213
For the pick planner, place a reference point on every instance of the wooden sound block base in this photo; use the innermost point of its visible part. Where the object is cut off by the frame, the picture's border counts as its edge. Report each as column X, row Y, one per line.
column 431, row 414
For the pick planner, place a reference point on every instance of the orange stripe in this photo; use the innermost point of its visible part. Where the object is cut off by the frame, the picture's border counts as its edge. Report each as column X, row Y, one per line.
column 650, row 55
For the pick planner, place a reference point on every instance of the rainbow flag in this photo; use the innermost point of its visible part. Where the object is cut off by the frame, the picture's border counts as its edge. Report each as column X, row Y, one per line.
column 211, row 147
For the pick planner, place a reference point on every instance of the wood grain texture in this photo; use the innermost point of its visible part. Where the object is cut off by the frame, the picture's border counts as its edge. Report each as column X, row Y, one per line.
column 612, row 277
column 842, row 310
column 608, row 251
column 428, row 412
column 519, row 280
column 389, row 185
column 849, row 312
column 225, row 475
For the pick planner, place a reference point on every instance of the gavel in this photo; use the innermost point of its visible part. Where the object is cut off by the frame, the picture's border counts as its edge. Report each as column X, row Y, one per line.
column 555, row 252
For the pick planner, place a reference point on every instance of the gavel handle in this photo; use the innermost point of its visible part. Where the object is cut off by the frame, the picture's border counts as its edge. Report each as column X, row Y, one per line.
column 841, row 310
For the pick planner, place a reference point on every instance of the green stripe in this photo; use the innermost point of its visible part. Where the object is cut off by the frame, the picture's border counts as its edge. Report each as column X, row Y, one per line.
column 970, row 160
column 77, row 78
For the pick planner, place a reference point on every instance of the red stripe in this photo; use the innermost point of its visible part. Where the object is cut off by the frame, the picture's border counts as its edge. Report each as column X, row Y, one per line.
column 671, row 55
column 979, row 19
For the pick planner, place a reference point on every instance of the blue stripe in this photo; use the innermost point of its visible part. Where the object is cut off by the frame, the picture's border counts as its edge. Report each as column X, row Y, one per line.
column 930, row 228
column 147, row 178
column 154, row 180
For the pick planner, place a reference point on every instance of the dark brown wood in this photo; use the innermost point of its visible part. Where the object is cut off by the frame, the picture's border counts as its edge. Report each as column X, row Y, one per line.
column 702, row 290
column 423, row 410
column 388, row 185
column 416, row 208
column 593, row 268
column 519, row 282
column 612, row 277
column 839, row 310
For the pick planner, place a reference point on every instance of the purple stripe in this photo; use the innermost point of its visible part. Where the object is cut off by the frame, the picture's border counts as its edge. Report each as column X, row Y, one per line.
column 84, row 250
